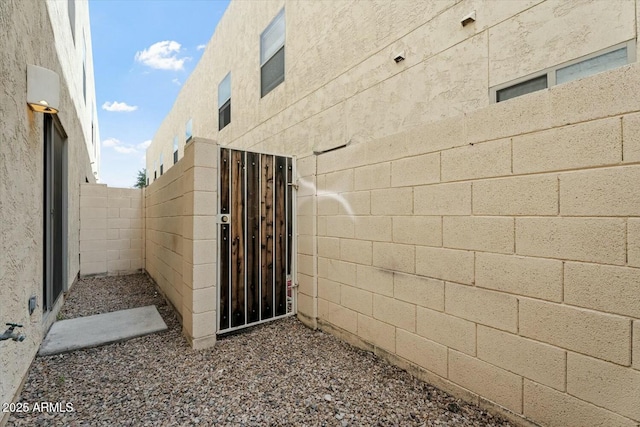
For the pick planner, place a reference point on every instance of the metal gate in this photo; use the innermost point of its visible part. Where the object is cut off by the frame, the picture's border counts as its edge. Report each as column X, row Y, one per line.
column 255, row 235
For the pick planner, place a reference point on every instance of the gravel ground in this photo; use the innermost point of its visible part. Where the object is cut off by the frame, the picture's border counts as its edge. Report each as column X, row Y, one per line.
column 279, row 373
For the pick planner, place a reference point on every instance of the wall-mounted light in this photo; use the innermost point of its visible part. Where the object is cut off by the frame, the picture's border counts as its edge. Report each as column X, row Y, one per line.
column 468, row 19
column 43, row 89
column 399, row 57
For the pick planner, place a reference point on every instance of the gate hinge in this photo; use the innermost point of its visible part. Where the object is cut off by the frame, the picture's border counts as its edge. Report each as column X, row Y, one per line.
column 293, row 185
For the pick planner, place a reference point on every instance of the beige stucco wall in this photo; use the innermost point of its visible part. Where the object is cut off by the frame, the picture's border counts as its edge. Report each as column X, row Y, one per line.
column 111, row 230
column 180, row 243
column 491, row 249
column 341, row 81
column 25, row 34
column 72, row 51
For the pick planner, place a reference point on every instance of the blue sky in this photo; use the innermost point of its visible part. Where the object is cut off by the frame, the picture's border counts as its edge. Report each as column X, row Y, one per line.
column 143, row 51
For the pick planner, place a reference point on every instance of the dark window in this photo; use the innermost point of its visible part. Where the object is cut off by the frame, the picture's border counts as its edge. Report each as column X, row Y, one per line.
column 147, row 181
column 224, row 102
column 272, row 54
column 155, row 175
column 532, row 85
column 272, row 72
column 175, row 157
column 161, row 169
column 224, row 115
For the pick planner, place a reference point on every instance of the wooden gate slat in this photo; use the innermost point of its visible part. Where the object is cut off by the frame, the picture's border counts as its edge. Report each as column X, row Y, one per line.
column 267, row 235
column 253, row 237
column 225, row 240
column 290, row 202
column 280, row 236
column 237, row 239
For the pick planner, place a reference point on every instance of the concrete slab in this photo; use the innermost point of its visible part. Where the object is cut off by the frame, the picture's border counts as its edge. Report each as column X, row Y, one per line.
column 92, row 331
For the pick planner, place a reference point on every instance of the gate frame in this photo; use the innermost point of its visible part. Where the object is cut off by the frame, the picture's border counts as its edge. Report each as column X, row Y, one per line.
column 294, row 239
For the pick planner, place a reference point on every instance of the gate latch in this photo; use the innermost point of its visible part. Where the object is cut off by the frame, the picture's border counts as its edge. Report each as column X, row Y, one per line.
column 224, row 218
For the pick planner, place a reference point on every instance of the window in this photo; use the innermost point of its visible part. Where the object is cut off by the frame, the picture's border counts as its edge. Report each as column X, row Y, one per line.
column 272, row 54
column 84, row 68
column 607, row 59
column 155, row 170
column 71, row 8
column 93, row 133
column 600, row 63
column 189, row 130
column 161, row 165
column 175, row 149
column 528, row 86
column 224, row 102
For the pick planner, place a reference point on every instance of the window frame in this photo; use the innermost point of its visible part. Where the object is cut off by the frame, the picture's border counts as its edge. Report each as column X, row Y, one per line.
column 224, row 105
column 188, row 132
column 276, row 50
column 550, row 72
column 175, row 149
column 84, row 67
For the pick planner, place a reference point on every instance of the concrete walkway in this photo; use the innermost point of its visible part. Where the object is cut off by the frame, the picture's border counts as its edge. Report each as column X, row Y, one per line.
column 93, row 331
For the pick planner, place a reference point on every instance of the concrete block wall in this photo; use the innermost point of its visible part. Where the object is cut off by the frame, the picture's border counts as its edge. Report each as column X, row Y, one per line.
column 180, row 215
column 495, row 256
column 307, row 243
column 111, row 230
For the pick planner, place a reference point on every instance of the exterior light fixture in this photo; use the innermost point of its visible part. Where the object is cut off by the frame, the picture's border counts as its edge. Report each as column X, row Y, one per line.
column 43, row 90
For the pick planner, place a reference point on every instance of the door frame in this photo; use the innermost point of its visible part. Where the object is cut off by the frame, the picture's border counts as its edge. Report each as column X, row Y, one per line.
column 293, row 250
column 52, row 126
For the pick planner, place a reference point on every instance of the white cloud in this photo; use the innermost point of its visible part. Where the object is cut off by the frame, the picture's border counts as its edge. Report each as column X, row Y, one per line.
column 119, row 107
column 176, row 81
column 201, row 46
column 110, row 142
column 162, row 56
column 125, row 150
column 144, row 145
column 122, row 148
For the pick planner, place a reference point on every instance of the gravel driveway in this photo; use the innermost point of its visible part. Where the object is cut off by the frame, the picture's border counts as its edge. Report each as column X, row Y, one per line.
column 279, row 373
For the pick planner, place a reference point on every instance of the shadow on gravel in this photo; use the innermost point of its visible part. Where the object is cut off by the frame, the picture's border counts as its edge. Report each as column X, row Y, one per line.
column 279, row 373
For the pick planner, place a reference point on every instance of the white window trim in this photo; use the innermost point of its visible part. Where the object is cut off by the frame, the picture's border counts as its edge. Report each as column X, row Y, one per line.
column 551, row 71
column 188, row 133
column 221, row 102
column 273, row 22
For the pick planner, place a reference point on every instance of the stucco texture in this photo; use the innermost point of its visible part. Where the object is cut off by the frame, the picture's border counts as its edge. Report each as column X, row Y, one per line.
column 25, row 32
column 489, row 248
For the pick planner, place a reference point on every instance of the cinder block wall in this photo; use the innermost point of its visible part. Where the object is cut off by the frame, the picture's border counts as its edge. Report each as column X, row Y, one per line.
column 494, row 254
column 111, row 230
column 306, row 207
column 180, row 214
